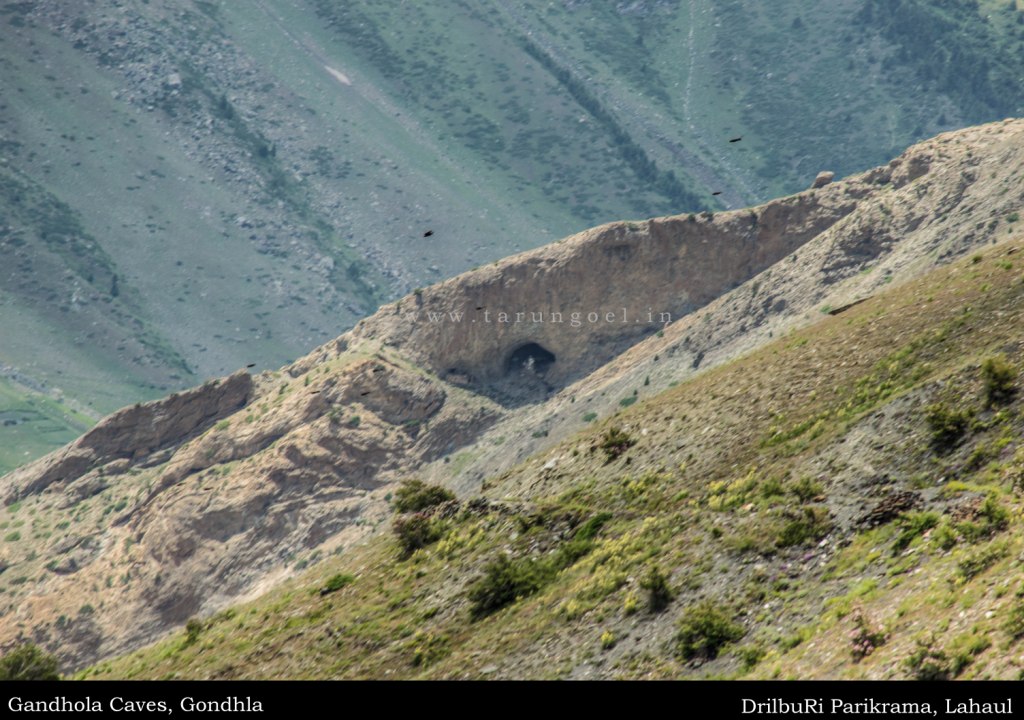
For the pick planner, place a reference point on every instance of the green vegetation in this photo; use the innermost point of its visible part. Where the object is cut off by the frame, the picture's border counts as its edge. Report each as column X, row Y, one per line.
column 998, row 377
column 416, row 531
column 615, row 442
column 336, row 582
column 504, row 581
column 414, row 495
column 659, row 594
column 28, row 662
column 193, row 629
column 797, row 557
column 32, row 424
column 704, row 629
column 947, row 425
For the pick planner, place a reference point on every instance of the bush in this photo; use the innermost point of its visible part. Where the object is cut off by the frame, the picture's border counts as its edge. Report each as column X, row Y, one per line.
column 615, row 442
column 28, row 662
column 416, row 495
column 812, row 523
column 750, row 655
column 947, row 426
column 1015, row 621
column 336, row 583
column 416, row 531
column 928, row 662
column 971, row 564
column 913, row 525
column 990, row 518
column 428, row 648
column 659, row 594
column 864, row 638
column 193, row 629
column 806, row 489
column 505, row 581
column 998, row 375
column 704, row 629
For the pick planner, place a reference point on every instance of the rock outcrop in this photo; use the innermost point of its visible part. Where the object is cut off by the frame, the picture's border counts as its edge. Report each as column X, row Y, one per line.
column 133, row 436
column 822, row 179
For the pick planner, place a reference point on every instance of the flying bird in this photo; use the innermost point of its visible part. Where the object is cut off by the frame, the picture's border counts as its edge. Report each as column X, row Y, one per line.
column 717, row 192
column 736, row 139
column 428, row 233
column 251, row 365
column 364, row 394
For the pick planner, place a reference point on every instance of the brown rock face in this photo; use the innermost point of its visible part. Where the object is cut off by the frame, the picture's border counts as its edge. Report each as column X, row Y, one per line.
column 574, row 305
column 134, row 435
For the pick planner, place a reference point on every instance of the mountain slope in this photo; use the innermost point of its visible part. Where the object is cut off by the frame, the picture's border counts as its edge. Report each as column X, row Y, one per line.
column 258, row 176
column 815, row 509
column 183, row 506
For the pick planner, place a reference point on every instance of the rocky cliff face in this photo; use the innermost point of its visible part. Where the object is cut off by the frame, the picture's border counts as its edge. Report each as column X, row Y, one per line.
column 178, row 508
column 585, row 299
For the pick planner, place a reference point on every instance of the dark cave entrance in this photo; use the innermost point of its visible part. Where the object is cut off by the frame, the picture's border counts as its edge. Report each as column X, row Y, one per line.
column 529, row 358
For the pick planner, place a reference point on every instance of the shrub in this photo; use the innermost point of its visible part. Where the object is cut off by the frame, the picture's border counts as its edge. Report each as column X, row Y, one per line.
column 945, row 536
column 615, row 442
column 998, row 375
column 336, row 583
column 911, row 526
column 28, row 662
column 505, row 581
column 704, row 629
column 416, row 495
column 581, row 543
column 750, row 655
column 1015, row 621
column 971, row 564
column 946, row 426
column 630, row 604
column 806, row 489
column 659, row 594
column 928, row 662
column 812, row 523
column 991, row 517
column 590, row 417
column 427, row 648
column 864, row 637
column 416, row 531
column 193, row 629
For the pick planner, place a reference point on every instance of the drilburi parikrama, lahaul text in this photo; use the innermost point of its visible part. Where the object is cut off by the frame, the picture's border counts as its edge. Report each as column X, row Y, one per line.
column 869, row 706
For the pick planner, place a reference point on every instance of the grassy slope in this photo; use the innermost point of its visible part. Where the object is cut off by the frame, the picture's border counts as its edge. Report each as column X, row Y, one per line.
column 745, row 485
column 32, row 424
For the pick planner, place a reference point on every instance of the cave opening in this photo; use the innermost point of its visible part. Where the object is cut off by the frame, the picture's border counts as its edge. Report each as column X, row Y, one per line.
column 530, row 358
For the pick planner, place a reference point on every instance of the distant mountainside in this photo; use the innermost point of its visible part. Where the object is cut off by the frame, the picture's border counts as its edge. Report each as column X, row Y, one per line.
column 174, row 510
column 192, row 187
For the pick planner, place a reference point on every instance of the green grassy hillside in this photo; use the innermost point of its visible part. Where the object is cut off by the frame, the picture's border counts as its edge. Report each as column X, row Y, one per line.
column 844, row 502
column 32, row 424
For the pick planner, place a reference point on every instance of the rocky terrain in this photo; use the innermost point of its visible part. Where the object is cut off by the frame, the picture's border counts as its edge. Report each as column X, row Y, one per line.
column 176, row 509
column 188, row 187
column 842, row 502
